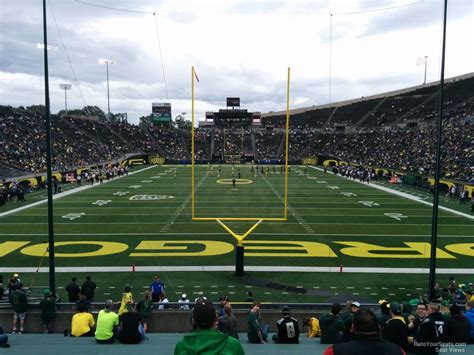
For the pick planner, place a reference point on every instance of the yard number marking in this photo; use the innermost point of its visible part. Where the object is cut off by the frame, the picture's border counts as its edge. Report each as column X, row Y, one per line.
column 348, row 194
column 332, row 187
column 369, row 203
column 321, row 182
column 397, row 216
column 120, row 193
column 101, row 202
column 72, row 216
column 145, row 181
column 135, row 186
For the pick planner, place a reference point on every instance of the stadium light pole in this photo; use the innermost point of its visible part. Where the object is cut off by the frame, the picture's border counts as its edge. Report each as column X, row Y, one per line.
column 434, row 221
column 107, row 62
column 65, row 87
column 49, row 175
column 423, row 61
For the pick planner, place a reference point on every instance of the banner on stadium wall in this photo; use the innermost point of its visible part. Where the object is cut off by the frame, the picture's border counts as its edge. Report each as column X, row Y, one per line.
column 446, row 185
column 135, row 160
column 309, row 161
column 32, row 181
column 155, row 160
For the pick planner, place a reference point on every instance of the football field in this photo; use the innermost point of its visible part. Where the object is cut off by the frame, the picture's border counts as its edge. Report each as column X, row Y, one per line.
column 342, row 238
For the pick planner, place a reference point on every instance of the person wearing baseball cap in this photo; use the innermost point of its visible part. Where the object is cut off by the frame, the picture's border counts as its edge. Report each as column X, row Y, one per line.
column 354, row 306
column 206, row 339
column 396, row 330
column 48, row 311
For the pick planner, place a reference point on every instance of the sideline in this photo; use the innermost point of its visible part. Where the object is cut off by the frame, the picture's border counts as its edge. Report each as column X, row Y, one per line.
column 217, row 268
column 69, row 192
column 401, row 194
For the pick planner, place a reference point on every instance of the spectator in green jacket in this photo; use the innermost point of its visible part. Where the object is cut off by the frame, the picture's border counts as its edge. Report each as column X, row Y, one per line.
column 332, row 326
column 206, row 339
column 19, row 302
column 48, row 311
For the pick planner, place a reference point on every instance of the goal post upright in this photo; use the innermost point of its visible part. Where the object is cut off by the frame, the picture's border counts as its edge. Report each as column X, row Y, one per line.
column 192, row 142
column 286, row 143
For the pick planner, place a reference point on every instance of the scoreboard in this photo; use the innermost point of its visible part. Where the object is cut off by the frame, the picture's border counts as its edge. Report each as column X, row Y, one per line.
column 161, row 112
column 233, row 102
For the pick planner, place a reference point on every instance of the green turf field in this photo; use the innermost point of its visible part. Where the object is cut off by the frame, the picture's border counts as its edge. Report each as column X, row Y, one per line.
column 145, row 219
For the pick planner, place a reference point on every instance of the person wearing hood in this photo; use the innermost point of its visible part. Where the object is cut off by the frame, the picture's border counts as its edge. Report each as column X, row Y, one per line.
column 396, row 329
column 206, row 339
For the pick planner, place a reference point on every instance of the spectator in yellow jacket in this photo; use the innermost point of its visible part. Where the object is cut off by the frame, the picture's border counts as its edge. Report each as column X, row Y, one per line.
column 127, row 298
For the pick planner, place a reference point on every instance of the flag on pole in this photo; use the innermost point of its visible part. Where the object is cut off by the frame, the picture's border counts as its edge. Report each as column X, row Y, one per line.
column 195, row 75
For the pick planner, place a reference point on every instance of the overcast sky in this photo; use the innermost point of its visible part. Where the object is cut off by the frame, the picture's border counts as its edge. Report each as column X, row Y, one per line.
column 239, row 48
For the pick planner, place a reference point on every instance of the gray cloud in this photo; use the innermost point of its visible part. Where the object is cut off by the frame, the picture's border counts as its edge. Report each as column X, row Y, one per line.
column 416, row 16
column 136, row 77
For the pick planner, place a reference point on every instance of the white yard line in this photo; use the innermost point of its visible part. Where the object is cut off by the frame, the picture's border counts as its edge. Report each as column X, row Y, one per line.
column 266, row 223
column 225, row 233
column 254, row 233
column 217, row 268
column 402, row 194
column 295, row 214
column 180, row 209
column 70, row 192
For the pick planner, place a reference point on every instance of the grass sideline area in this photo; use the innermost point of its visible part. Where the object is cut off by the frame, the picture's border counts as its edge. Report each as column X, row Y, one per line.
column 145, row 219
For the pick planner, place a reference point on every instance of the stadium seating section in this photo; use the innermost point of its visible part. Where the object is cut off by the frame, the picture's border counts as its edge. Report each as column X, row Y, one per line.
column 396, row 131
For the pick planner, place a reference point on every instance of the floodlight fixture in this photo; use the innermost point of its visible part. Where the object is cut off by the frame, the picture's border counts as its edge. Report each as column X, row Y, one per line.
column 66, row 88
column 423, row 61
column 107, row 61
column 48, row 47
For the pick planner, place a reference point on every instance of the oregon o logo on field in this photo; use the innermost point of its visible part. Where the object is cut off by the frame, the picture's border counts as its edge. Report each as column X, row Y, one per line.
column 150, row 197
column 237, row 181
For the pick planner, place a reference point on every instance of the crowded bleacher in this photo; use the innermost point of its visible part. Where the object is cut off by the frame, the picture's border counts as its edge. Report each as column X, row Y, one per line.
column 394, row 131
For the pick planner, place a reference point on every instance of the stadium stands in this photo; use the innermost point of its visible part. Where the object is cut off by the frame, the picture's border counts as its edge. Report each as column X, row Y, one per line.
column 395, row 131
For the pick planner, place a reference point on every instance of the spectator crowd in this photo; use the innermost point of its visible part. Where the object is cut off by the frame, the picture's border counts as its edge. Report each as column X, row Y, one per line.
column 419, row 324
column 79, row 142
